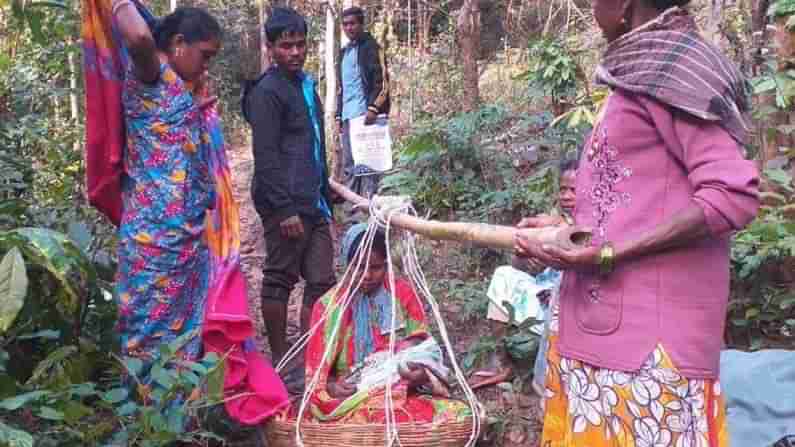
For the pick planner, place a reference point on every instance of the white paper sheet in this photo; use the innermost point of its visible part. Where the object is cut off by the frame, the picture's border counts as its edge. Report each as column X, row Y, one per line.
column 371, row 145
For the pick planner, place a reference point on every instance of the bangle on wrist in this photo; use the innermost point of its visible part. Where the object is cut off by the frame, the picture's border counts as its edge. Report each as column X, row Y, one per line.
column 607, row 257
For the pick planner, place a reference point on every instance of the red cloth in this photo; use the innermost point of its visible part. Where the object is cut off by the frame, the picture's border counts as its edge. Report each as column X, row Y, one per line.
column 227, row 327
column 104, row 115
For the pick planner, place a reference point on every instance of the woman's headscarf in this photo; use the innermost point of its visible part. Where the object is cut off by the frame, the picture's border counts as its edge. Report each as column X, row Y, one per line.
column 670, row 61
column 351, row 242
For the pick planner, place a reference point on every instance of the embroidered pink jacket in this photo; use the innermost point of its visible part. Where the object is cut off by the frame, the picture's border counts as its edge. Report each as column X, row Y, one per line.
column 643, row 164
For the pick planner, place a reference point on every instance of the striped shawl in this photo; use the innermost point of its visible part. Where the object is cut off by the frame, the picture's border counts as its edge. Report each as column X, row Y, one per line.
column 668, row 60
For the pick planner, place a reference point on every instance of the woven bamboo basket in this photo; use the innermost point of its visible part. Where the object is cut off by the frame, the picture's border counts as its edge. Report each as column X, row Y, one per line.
column 448, row 434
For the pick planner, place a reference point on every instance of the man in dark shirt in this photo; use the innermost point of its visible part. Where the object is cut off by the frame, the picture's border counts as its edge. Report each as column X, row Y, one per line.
column 362, row 90
column 290, row 186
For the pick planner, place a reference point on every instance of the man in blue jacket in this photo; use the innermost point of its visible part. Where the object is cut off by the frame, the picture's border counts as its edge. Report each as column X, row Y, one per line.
column 362, row 89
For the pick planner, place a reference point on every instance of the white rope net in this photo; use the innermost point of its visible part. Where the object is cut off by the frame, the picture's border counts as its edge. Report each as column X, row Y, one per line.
column 382, row 210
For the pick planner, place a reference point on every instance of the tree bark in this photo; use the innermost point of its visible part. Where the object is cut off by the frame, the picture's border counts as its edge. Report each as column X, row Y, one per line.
column 772, row 141
column 264, row 57
column 73, row 103
column 468, row 41
column 712, row 29
column 412, row 72
column 74, row 110
column 785, row 47
column 424, row 24
column 331, row 91
column 759, row 33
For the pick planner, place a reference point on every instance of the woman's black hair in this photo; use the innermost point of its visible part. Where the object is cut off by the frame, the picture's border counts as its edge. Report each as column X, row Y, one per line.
column 662, row 5
column 284, row 20
column 567, row 163
column 196, row 24
column 354, row 11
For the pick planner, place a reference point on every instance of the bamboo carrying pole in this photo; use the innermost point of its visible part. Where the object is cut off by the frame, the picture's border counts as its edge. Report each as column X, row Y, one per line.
column 494, row 236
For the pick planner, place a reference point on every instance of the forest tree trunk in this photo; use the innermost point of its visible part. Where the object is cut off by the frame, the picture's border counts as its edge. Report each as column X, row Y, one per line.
column 331, row 90
column 264, row 57
column 468, row 41
column 712, row 28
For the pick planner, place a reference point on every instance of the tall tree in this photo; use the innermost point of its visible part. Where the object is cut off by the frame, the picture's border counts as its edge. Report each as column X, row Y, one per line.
column 468, row 27
column 73, row 91
column 784, row 39
column 712, row 29
column 264, row 59
column 331, row 86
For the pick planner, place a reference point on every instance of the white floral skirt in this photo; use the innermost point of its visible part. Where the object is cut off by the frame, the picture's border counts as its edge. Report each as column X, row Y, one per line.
column 588, row 406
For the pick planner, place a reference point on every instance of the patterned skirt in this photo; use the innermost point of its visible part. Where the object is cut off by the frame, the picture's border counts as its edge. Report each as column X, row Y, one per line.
column 162, row 295
column 588, row 406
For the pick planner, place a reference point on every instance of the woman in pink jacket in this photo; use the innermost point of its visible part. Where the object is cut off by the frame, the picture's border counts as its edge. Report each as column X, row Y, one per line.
column 633, row 357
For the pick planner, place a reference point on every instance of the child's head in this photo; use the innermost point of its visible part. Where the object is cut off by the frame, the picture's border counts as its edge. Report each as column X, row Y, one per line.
column 567, row 169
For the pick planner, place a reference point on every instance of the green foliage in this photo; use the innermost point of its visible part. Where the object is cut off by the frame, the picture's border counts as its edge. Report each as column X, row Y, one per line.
column 142, row 415
column 585, row 110
column 779, row 83
column 66, row 289
column 47, row 376
column 762, row 304
column 159, row 412
column 12, row 437
column 38, row 16
column 62, row 258
column 13, row 288
column 784, row 8
column 477, row 351
column 522, row 344
column 554, row 71
column 776, row 80
column 49, row 388
column 455, row 166
column 446, row 148
column 469, row 293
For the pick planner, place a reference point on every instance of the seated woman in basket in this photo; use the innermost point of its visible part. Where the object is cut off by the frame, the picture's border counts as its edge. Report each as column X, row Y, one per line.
column 351, row 380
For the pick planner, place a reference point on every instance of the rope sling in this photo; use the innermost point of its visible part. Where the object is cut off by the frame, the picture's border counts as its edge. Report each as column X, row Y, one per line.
column 388, row 213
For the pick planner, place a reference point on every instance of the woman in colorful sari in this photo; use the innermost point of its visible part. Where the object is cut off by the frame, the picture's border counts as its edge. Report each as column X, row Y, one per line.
column 636, row 336
column 168, row 187
column 350, row 386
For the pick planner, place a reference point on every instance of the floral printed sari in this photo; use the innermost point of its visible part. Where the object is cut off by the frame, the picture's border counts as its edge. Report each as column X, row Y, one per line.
column 588, row 406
